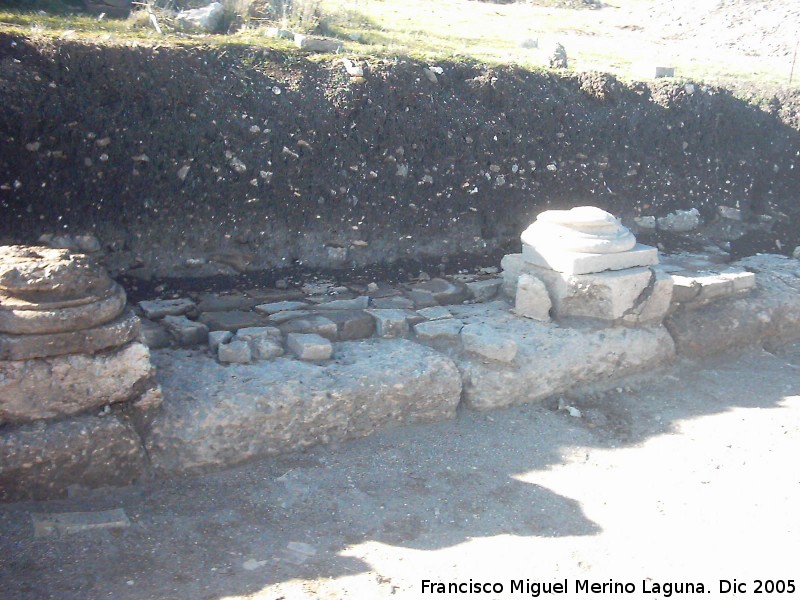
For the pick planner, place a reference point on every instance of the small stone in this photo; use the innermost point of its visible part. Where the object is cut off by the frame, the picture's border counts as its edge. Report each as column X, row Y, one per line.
column 312, row 324
column 183, row 172
column 55, row 524
column 443, row 329
column 557, row 58
column 253, row 333
column 421, row 298
column 216, row 338
column 645, row 222
column 186, row 332
column 390, row 323
column 309, row 346
column 265, row 348
column 317, row 44
column 487, row 342
column 680, row 221
column 153, row 335
column 430, row 75
column 236, row 351
column 444, row 291
column 727, row 212
column 351, row 324
column 157, row 309
column 87, row 243
column 336, row 254
column 532, row 300
column 33, row 146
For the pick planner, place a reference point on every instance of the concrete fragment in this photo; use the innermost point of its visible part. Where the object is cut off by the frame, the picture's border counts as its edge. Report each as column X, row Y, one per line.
column 118, row 332
column 442, row 329
column 235, row 351
column 532, row 299
column 309, row 346
column 158, row 309
column 217, row 416
column 43, row 388
column 484, row 290
column 215, row 338
column 315, row 324
column 487, row 342
column 41, row 460
column 390, row 323
column 186, row 332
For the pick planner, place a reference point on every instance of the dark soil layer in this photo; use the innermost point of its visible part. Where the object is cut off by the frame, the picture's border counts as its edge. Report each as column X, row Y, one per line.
column 286, row 161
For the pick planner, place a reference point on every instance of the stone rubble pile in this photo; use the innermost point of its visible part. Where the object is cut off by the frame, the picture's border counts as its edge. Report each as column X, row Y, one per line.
column 68, row 349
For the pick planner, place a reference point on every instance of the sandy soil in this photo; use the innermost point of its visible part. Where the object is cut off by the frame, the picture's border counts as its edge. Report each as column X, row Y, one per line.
column 689, row 475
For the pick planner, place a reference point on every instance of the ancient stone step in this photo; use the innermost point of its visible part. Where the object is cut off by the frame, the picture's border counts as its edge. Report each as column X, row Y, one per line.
column 231, row 320
column 158, row 309
column 309, row 346
column 444, row 291
column 185, row 331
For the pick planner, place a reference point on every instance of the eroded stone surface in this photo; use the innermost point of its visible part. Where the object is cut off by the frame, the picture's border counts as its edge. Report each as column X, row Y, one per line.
column 216, row 415
column 487, row 342
column 41, row 460
column 43, row 388
column 390, row 323
column 185, row 331
column 532, row 300
column 440, row 329
column 309, row 346
column 157, row 309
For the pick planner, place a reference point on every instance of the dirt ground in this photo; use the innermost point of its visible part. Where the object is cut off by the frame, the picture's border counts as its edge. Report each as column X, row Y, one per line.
column 689, row 475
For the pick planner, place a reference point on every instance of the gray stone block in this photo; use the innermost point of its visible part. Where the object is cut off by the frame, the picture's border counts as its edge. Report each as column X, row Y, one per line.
column 532, row 299
column 275, row 307
column 442, row 329
column 265, row 348
column 487, row 342
column 444, row 291
column 390, row 323
column 215, row 338
column 158, row 309
column 153, row 335
column 309, row 346
column 231, row 320
column 484, row 290
column 315, row 324
column 392, row 302
column 186, row 332
column 236, row 351
column 351, row 324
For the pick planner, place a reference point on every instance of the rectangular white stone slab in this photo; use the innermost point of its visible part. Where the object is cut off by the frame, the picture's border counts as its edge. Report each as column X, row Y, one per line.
column 581, row 263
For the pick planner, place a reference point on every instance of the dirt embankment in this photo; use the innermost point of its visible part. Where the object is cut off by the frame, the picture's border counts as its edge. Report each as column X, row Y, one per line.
column 192, row 162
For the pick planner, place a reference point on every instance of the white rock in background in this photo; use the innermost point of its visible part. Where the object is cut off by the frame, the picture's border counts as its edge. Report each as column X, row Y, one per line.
column 205, row 19
column 680, row 221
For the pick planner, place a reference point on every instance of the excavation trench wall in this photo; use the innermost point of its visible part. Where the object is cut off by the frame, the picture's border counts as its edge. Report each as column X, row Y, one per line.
column 206, row 161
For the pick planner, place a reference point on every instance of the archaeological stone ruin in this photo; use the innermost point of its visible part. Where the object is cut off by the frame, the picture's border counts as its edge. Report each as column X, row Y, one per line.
column 97, row 392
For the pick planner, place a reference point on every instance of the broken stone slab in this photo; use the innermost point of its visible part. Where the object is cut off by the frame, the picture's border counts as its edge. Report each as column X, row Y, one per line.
column 215, row 416
column 770, row 312
column 351, row 324
column 358, row 303
column 389, row 322
column 186, row 332
column 654, row 303
column 153, row 335
column 39, row 461
column 236, row 351
column 44, row 388
column 392, row 302
column 700, row 288
column 444, row 291
column 231, row 320
column 486, row 342
column 316, row 324
column 580, row 263
column 434, row 313
column 608, row 296
column 36, row 320
column 309, row 346
column 532, row 299
column 317, row 43
column 285, row 305
column 56, row 524
column 552, row 360
column 158, row 309
column 440, row 330
column 216, row 338
column 118, row 332
column 484, row 290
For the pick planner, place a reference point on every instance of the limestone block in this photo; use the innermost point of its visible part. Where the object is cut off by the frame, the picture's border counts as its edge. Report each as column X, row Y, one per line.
column 118, row 332
column 39, row 461
column 252, row 333
column 442, row 329
column 275, row 307
column 231, row 320
column 700, row 288
column 43, row 388
column 359, row 303
column 288, row 315
column 654, row 304
column 265, row 348
column 608, row 296
column 309, row 346
column 315, row 324
column 579, row 263
column 421, row 298
column 434, row 313
column 158, row 309
column 351, row 324
column 487, row 342
column 532, row 299
column 219, row 415
column 390, row 323
column 186, row 332
column 484, row 290
column 153, row 335
column 216, row 338
column 235, row 351
column 513, row 266
column 393, row 302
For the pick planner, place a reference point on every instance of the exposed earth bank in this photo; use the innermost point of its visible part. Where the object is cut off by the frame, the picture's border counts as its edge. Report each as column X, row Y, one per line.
column 189, row 162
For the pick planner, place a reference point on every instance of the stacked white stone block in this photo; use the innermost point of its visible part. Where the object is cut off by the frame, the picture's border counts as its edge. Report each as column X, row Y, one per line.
column 584, row 263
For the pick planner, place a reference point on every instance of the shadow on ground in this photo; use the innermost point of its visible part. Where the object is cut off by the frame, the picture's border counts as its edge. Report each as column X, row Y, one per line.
column 421, row 487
